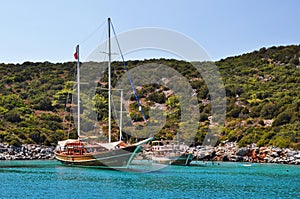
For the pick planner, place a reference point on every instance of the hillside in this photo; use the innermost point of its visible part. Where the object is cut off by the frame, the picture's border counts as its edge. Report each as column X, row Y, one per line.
column 262, row 89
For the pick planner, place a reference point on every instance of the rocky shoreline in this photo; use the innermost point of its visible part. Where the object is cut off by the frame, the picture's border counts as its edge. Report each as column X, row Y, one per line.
column 225, row 152
column 231, row 152
column 26, row 152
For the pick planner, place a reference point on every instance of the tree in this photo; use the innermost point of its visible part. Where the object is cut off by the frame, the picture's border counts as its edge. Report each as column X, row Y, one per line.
column 157, row 97
column 11, row 101
column 282, row 118
column 268, row 111
column 43, row 103
column 235, row 112
column 13, row 116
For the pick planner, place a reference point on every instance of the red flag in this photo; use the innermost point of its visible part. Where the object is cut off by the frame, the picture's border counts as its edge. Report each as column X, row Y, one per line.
column 76, row 53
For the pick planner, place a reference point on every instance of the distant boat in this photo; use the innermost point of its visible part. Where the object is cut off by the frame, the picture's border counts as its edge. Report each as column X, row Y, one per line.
column 111, row 155
column 170, row 152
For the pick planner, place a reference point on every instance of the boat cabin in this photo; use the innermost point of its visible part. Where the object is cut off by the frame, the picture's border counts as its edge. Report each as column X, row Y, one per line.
column 71, row 147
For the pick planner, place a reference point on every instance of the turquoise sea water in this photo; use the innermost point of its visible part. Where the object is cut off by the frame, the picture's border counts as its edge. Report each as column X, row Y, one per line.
column 50, row 179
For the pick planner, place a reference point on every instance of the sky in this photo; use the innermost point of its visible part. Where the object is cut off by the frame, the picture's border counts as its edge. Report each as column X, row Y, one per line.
column 48, row 30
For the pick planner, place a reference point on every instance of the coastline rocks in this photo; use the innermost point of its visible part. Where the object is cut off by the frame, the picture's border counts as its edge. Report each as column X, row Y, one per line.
column 230, row 152
column 226, row 152
column 25, row 152
column 242, row 151
column 225, row 158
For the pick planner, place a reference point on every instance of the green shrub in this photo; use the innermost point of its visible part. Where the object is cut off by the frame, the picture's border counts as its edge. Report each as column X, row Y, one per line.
column 268, row 111
column 13, row 116
column 283, row 118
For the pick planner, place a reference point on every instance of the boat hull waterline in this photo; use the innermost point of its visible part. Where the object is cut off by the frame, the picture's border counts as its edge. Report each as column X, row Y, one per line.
column 118, row 158
column 184, row 159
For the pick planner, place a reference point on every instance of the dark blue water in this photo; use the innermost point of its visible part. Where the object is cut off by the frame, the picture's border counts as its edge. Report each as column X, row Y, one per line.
column 50, row 179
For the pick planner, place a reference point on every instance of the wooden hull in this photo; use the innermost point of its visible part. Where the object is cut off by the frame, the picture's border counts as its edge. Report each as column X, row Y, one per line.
column 117, row 158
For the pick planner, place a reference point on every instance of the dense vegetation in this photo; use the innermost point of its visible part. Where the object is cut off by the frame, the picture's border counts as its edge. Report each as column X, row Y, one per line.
column 262, row 90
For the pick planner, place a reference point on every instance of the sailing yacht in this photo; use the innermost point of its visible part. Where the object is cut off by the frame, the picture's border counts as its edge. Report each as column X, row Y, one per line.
column 110, row 155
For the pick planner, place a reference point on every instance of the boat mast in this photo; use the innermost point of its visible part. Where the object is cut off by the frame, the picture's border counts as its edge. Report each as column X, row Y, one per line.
column 121, row 110
column 78, row 92
column 109, row 83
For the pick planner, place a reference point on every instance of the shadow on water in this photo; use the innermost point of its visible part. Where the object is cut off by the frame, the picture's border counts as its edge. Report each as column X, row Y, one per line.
column 130, row 169
column 42, row 166
column 27, row 166
column 28, row 163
